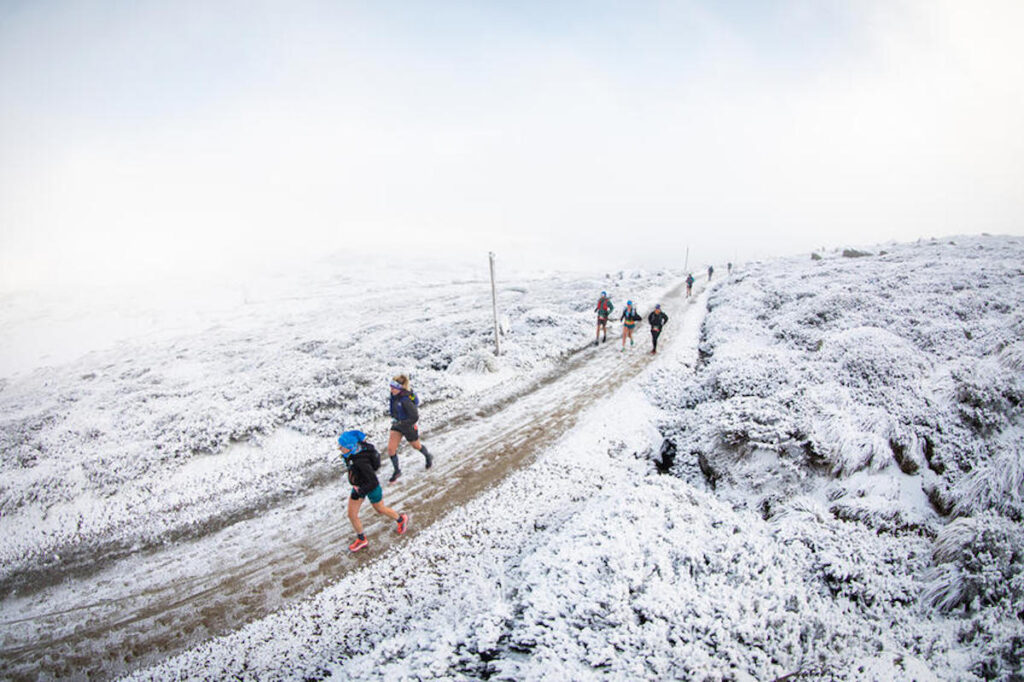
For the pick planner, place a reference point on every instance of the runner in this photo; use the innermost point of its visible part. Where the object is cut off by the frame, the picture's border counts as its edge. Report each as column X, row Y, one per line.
column 657, row 320
column 603, row 310
column 689, row 284
column 362, row 461
column 629, row 319
column 711, row 271
column 404, row 415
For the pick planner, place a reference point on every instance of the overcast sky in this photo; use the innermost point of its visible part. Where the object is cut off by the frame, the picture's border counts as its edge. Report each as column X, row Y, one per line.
column 138, row 138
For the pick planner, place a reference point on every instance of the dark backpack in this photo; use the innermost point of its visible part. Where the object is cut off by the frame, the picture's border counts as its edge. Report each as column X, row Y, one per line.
column 374, row 456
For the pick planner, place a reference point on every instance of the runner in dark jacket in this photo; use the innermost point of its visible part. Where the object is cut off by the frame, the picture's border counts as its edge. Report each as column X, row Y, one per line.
column 689, row 284
column 362, row 460
column 657, row 320
column 404, row 415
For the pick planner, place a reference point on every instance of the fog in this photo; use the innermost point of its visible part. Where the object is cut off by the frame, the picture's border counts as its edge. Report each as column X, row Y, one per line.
column 156, row 140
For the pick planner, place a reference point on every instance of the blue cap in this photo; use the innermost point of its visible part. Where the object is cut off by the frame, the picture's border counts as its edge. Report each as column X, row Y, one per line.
column 629, row 303
column 351, row 440
column 657, row 306
column 604, row 293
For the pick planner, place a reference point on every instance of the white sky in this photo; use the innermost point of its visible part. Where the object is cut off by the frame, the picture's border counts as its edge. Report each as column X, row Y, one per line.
column 142, row 138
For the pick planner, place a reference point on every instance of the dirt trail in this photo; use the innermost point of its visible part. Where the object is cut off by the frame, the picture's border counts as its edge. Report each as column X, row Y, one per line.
column 150, row 606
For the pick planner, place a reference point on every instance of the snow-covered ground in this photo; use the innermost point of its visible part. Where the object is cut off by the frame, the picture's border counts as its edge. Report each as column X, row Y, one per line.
column 153, row 441
column 846, row 501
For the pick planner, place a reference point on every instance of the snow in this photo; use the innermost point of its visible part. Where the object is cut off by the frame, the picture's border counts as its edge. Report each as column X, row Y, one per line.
column 846, row 501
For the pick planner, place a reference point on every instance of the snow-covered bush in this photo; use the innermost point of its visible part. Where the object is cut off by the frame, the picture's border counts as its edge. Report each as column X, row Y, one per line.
column 997, row 483
column 474, row 362
column 980, row 562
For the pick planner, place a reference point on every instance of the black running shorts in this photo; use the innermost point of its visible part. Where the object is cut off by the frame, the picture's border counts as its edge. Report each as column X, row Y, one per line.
column 410, row 431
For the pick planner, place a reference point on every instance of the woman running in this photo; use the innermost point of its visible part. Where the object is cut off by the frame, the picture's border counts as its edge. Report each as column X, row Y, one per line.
column 629, row 319
column 362, row 460
column 404, row 415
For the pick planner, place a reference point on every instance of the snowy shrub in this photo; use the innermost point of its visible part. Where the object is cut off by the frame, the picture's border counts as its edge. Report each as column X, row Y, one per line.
column 987, row 396
column 853, row 440
column 475, row 362
column 541, row 317
column 854, row 253
column 874, row 361
column 746, row 424
column 980, row 562
column 997, row 483
column 762, row 373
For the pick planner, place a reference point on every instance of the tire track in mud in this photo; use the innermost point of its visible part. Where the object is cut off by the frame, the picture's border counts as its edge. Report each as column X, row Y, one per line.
column 178, row 596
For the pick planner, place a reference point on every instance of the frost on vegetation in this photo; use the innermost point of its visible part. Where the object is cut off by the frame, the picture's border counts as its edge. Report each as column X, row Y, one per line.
column 997, row 483
column 475, row 362
column 907, row 367
column 871, row 366
column 115, row 431
column 979, row 562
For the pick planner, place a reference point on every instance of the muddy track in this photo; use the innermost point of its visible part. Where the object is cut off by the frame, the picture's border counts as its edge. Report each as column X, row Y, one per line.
column 151, row 605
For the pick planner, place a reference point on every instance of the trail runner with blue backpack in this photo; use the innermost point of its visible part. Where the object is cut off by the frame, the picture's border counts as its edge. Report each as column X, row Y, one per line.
column 404, row 415
column 362, row 461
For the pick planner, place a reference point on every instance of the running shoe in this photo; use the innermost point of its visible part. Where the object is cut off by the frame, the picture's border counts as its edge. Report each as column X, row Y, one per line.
column 403, row 521
column 430, row 460
column 394, row 475
column 358, row 545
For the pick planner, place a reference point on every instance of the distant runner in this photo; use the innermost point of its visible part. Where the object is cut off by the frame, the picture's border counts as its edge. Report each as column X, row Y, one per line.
column 604, row 309
column 689, row 284
column 362, row 461
column 629, row 319
column 657, row 320
column 711, row 271
column 404, row 415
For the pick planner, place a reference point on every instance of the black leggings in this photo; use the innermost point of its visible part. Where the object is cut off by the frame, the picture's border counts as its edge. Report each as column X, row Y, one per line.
column 654, row 338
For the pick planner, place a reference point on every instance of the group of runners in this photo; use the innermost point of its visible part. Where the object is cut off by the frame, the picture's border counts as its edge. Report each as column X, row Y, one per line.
column 362, row 460
column 629, row 319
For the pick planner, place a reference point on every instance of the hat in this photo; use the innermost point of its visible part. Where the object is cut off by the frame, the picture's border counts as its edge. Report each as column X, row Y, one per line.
column 395, row 384
column 657, row 306
column 351, row 441
column 629, row 303
column 604, row 293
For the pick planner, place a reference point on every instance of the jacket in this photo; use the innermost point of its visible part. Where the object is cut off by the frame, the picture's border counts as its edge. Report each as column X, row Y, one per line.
column 403, row 409
column 657, row 320
column 360, row 469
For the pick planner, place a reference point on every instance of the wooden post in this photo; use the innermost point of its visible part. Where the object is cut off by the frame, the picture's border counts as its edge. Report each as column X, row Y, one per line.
column 494, row 305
